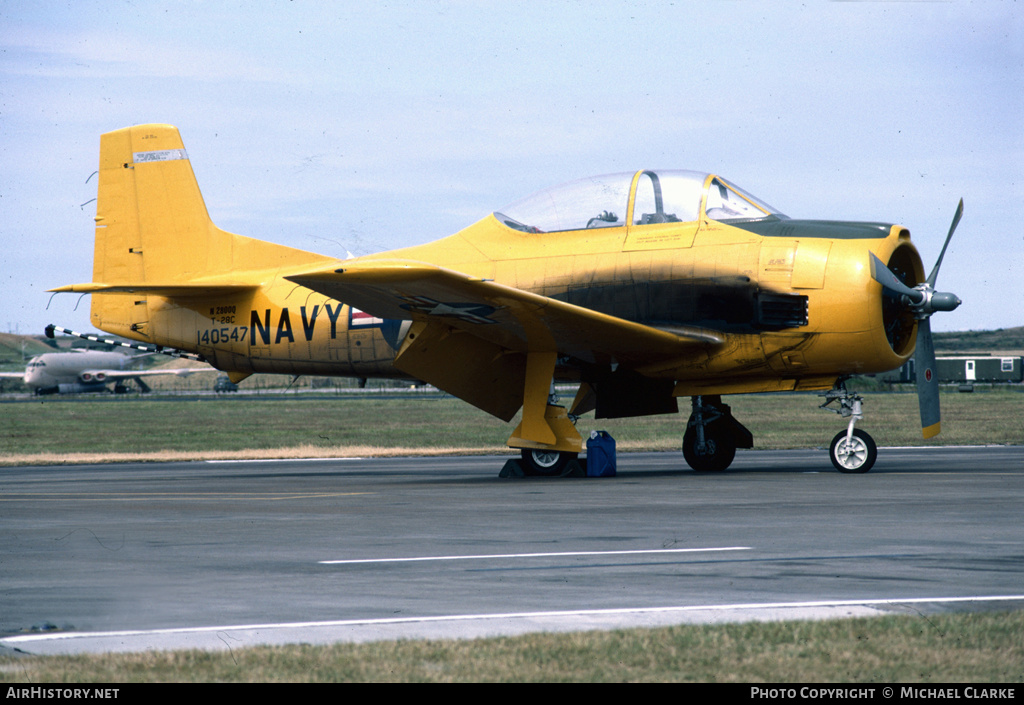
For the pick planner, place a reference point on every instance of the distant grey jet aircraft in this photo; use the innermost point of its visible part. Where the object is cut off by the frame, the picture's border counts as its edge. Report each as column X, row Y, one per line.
column 80, row 371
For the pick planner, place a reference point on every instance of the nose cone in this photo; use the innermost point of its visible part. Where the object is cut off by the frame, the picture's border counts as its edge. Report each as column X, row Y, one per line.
column 36, row 372
column 944, row 301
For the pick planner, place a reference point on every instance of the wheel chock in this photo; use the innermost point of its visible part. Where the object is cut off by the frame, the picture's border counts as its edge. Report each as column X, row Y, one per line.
column 512, row 468
column 574, row 468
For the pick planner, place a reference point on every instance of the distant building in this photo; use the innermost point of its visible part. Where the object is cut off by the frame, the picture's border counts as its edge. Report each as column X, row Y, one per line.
column 965, row 369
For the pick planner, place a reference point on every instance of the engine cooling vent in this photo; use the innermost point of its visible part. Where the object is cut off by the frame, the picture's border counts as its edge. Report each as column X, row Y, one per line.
column 778, row 311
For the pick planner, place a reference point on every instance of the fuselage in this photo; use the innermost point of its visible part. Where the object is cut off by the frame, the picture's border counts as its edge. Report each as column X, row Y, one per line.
column 795, row 298
column 76, row 371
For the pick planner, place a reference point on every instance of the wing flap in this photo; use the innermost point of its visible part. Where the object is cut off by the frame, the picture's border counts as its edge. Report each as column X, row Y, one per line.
column 474, row 370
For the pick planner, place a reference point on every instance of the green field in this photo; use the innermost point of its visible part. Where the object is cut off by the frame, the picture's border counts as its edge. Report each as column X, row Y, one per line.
column 984, row 648
column 141, row 428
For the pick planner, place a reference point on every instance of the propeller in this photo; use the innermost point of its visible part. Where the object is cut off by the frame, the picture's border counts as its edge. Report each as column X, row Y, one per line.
column 922, row 301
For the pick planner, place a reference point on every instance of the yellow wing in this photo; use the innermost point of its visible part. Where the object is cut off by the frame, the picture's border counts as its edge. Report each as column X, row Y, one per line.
column 471, row 337
column 514, row 319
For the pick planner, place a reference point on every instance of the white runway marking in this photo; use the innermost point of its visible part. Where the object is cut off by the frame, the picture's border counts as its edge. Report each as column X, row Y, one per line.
column 277, row 460
column 560, row 554
column 499, row 623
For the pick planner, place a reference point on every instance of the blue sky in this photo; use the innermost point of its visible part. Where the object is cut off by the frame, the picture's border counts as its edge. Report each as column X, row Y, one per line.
column 339, row 127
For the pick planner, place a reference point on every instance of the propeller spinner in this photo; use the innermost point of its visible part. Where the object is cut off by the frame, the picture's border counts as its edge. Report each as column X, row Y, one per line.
column 922, row 301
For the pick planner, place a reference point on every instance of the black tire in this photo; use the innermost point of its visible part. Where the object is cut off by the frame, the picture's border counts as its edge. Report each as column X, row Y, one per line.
column 546, row 463
column 858, row 457
column 719, row 449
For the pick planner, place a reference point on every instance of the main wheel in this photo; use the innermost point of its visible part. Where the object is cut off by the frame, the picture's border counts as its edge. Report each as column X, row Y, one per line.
column 717, row 454
column 857, row 455
column 547, row 463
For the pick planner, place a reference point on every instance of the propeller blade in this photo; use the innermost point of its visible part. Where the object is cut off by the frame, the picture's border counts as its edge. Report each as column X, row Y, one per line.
column 927, row 381
column 956, row 220
column 884, row 276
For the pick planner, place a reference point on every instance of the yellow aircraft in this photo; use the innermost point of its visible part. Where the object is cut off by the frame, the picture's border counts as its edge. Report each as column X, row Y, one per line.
column 641, row 287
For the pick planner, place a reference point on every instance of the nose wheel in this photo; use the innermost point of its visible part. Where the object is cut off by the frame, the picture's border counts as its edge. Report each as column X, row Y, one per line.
column 852, row 450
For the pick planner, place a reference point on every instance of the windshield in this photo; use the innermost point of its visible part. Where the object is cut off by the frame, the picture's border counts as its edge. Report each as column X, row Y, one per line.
column 726, row 202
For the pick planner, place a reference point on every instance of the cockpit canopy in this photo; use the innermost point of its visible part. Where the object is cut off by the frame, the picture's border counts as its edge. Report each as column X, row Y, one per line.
column 643, row 198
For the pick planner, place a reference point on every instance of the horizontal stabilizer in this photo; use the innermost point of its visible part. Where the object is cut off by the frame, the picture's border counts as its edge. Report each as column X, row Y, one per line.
column 197, row 290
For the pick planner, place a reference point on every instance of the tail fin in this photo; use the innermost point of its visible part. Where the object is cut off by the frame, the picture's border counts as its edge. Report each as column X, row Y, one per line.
column 155, row 237
column 151, row 222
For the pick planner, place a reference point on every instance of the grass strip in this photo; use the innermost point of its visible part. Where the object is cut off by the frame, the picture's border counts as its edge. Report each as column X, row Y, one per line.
column 133, row 428
column 942, row 648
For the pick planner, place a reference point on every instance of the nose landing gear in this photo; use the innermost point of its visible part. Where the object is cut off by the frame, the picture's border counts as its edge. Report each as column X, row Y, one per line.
column 852, row 450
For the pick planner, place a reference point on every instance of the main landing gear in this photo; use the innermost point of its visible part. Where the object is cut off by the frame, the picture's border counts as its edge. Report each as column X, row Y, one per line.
column 852, row 450
column 710, row 441
column 546, row 463
column 549, row 458
column 713, row 435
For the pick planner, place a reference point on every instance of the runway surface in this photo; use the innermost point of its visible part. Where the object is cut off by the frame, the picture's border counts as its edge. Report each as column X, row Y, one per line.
column 223, row 555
